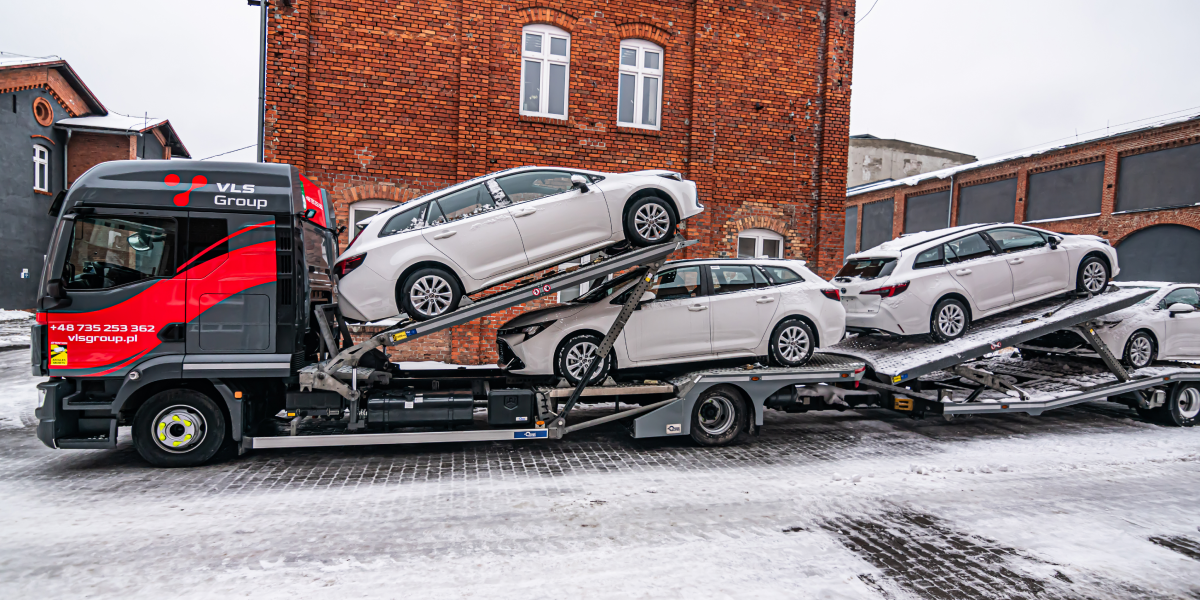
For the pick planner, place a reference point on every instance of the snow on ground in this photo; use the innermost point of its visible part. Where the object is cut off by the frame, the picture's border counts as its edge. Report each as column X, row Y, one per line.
column 14, row 328
column 18, row 391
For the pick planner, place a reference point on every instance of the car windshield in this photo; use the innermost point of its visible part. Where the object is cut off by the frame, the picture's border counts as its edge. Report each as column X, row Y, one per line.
column 867, row 268
column 609, row 288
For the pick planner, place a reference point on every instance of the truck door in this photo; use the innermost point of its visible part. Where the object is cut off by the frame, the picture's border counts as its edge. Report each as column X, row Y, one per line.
column 119, row 271
column 230, row 267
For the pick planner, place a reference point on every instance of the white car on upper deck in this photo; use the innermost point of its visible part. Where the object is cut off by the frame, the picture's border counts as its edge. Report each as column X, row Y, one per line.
column 421, row 257
column 937, row 282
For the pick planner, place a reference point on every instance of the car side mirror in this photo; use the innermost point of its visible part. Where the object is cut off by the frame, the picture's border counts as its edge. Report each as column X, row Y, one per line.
column 56, row 295
column 1054, row 242
column 646, row 297
column 580, row 183
column 1179, row 308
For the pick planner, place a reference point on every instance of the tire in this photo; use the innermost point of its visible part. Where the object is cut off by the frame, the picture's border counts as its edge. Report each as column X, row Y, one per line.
column 1140, row 350
column 949, row 320
column 719, row 416
column 649, row 221
column 178, row 428
column 792, row 343
column 570, row 359
column 1183, row 405
column 437, row 293
column 1092, row 276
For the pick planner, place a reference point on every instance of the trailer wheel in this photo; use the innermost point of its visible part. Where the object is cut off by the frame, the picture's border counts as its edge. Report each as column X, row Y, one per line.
column 948, row 321
column 791, row 343
column 428, row 293
column 718, row 416
column 1092, row 276
column 575, row 355
column 650, row 221
column 1140, row 350
column 1183, row 405
column 178, row 428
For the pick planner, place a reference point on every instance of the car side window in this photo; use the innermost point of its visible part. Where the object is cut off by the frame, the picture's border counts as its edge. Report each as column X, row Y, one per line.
column 1016, row 239
column 683, row 282
column 780, row 275
column 760, row 280
column 967, row 248
column 929, row 258
column 729, row 279
column 531, row 185
column 461, row 205
column 1182, row 296
column 407, row 220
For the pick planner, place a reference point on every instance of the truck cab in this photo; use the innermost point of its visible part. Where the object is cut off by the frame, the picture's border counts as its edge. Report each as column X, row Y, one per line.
column 182, row 276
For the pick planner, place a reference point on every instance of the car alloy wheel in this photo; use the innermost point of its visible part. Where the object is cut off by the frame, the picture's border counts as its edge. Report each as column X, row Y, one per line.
column 793, row 343
column 431, row 295
column 579, row 358
column 575, row 354
column 951, row 320
column 652, row 221
column 1140, row 352
column 178, row 429
column 1095, row 276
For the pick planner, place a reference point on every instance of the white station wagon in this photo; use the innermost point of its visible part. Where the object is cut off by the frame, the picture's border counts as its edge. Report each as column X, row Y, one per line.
column 421, row 257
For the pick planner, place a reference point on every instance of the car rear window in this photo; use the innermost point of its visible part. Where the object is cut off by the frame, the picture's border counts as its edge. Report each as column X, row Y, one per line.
column 413, row 218
column 868, row 268
column 780, row 275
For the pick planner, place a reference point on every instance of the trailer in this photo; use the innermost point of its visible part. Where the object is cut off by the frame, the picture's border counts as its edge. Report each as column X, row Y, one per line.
column 214, row 323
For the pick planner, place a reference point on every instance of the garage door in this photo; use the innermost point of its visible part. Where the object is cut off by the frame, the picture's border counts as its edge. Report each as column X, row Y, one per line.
column 876, row 224
column 1161, row 253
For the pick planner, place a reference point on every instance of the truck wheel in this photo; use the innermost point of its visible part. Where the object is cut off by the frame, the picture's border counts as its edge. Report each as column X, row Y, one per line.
column 178, row 428
column 575, row 355
column 649, row 221
column 719, row 416
column 1183, row 405
column 948, row 321
column 791, row 343
column 429, row 293
column 1140, row 350
column 1093, row 276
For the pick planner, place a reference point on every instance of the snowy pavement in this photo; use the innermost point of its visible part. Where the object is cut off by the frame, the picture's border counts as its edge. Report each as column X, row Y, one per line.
column 1086, row 502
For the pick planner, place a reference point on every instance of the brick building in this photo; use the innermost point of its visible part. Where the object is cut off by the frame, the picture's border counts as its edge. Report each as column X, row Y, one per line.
column 48, row 115
column 380, row 102
column 1140, row 189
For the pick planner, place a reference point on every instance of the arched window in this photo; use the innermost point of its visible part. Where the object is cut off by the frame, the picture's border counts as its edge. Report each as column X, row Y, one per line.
column 545, row 62
column 639, row 97
column 41, row 168
column 363, row 210
column 760, row 243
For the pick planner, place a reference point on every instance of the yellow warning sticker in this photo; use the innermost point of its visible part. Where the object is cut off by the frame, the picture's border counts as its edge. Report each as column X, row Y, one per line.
column 897, row 378
column 58, row 354
column 399, row 336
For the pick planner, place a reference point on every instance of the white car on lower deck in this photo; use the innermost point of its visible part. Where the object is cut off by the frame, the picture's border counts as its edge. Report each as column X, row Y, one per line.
column 937, row 282
column 696, row 310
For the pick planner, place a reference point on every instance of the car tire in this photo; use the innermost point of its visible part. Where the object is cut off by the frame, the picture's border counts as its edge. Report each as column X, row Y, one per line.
column 949, row 320
column 1140, row 350
column 650, row 221
column 792, row 343
column 571, row 359
column 1093, row 276
column 429, row 293
column 178, row 428
column 1183, row 405
column 719, row 416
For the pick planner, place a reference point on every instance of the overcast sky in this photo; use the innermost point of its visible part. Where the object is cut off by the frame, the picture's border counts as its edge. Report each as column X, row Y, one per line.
column 982, row 77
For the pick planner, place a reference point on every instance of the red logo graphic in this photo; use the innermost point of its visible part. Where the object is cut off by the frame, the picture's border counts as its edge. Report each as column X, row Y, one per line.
column 181, row 199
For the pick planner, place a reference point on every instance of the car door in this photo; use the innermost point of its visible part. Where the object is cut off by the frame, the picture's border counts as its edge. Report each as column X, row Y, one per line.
column 741, row 306
column 554, row 217
column 983, row 273
column 1182, row 330
column 673, row 325
column 1037, row 269
column 473, row 229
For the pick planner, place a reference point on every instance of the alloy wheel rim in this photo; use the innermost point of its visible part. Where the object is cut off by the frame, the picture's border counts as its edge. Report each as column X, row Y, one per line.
column 651, row 221
column 951, row 320
column 579, row 358
column 431, row 295
column 178, row 429
column 1093, row 276
column 1139, row 351
column 793, row 343
column 716, row 414
column 1189, row 403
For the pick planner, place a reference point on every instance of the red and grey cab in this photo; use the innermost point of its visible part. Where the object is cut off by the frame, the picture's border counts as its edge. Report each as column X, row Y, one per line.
column 169, row 271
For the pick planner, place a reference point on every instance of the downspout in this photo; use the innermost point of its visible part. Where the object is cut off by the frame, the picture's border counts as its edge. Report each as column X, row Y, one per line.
column 262, row 75
column 66, row 172
column 949, row 203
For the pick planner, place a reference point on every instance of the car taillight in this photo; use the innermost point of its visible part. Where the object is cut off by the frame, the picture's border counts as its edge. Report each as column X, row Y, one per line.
column 888, row 291
column 832, row 294
column 344, row 266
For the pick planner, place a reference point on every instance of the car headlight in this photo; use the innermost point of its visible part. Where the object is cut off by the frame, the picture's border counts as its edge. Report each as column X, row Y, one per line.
column 528, row 330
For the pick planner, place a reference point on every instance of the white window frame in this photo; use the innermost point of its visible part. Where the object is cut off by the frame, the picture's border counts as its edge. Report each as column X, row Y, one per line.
column 641, row 73
column 547, row 32
column 758, row 235
column 376, row 205
column 41, row 168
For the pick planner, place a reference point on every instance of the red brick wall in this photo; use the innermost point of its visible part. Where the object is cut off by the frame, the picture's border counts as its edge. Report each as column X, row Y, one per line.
column 23, row 78
column 1115, row 227
column 87, row 150
column 375, row 99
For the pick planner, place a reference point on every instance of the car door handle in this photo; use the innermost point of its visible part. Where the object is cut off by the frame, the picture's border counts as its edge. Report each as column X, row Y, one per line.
column 697, row 307
column 765, row 300
column 963, row 272
column 525, row 212
column 1016, row 261
column 443, row 235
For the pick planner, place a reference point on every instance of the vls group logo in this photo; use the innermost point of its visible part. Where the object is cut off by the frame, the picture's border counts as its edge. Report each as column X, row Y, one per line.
column 182, row 198
column 199, row 181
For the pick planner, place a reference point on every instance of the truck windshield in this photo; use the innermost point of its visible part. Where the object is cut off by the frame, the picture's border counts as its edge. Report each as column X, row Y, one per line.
column 867, row 268
column 107, row 252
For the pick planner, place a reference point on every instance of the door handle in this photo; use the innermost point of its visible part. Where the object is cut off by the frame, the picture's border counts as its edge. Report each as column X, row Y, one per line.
column 697, row 307
column 526, row 212
column 172, row 332
column 963, row 272
column 1016, row 261
column 765, row 300
column 443, row 235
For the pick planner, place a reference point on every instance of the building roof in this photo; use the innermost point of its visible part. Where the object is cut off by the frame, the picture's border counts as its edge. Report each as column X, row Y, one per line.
column 1024, row 153
column 128, row 125
column 9, row 60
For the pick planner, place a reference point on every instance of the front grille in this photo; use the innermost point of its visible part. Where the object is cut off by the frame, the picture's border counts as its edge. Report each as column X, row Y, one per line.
column 507, row 356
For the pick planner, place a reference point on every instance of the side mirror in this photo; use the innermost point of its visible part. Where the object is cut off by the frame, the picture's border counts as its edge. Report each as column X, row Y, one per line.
column 138, row 243
column 55, row 289
column 580, row 183
column 648, row 297
column 309, row 213
column 1179, row 308
column 1054, row 242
